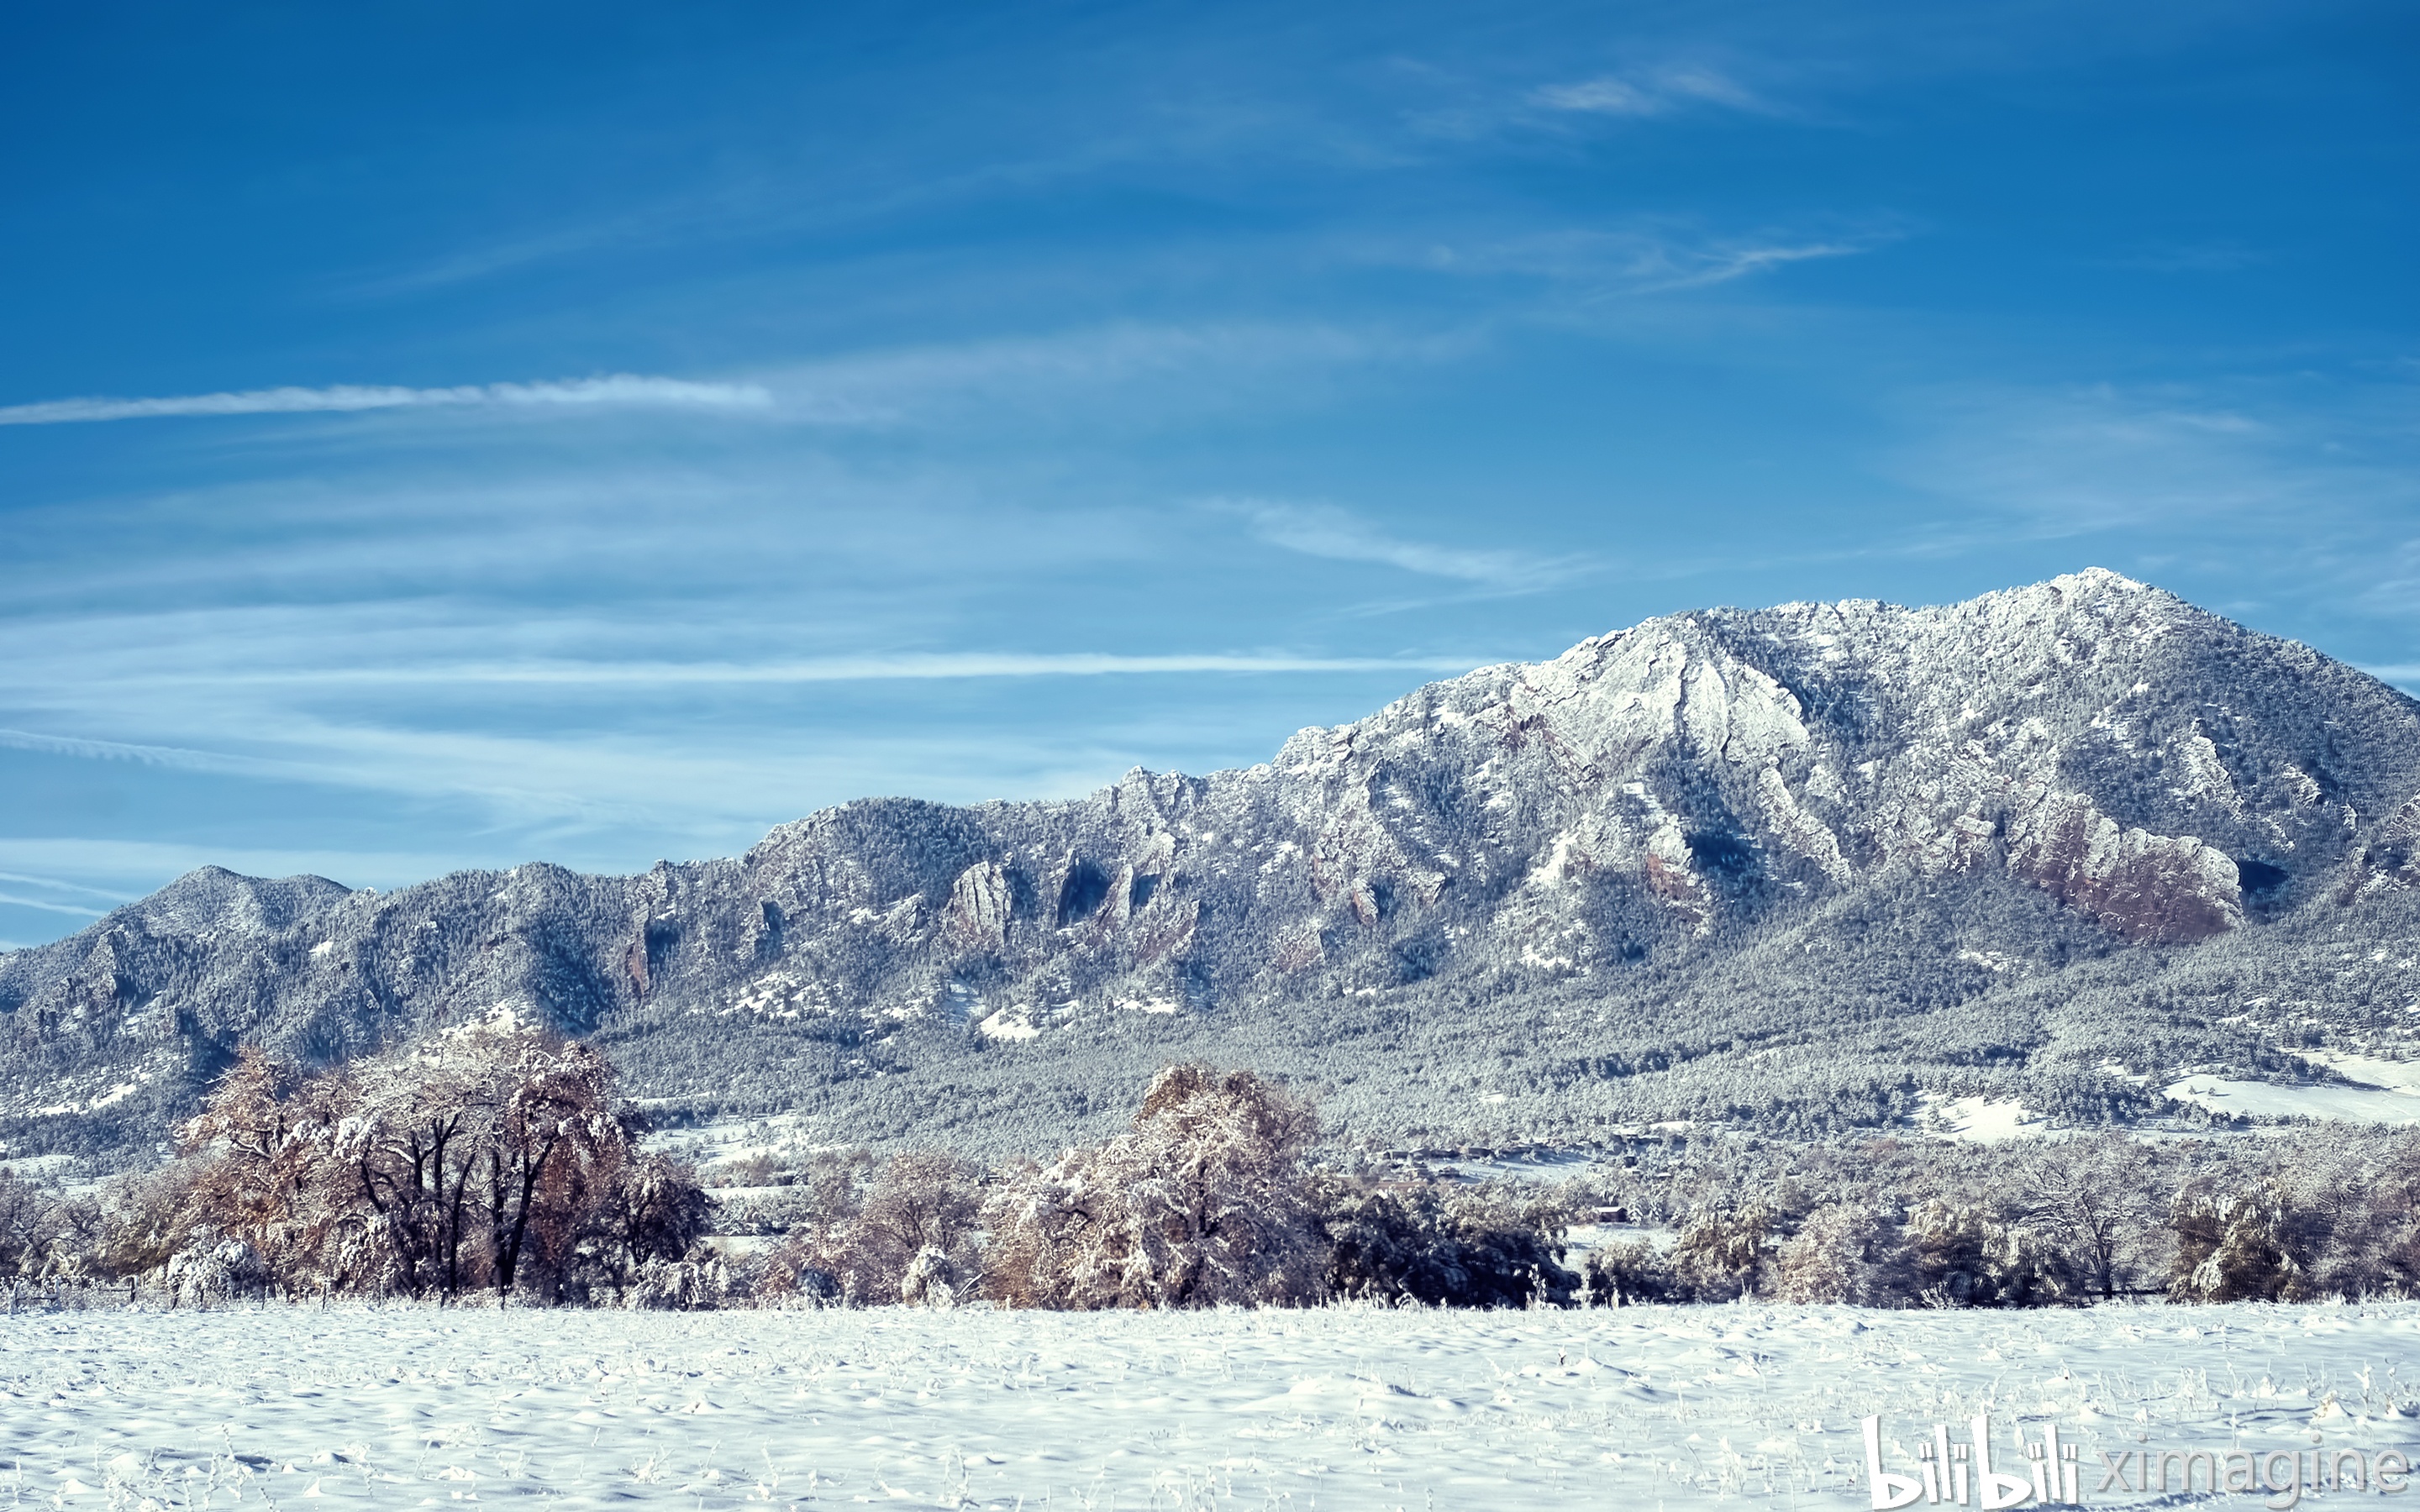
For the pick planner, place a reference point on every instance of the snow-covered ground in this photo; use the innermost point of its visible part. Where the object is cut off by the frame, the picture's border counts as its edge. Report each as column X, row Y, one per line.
column 1549, row 1167
column 1631, row 1409
column 1979, row 1119
column 2383, row 1091
column 2275, row 1100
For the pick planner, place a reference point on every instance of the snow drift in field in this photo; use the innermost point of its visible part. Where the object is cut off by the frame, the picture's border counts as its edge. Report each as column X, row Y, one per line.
column 1630, row 1408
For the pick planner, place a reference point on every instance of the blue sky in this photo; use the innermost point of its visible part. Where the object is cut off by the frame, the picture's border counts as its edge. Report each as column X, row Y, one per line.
column 445, row 435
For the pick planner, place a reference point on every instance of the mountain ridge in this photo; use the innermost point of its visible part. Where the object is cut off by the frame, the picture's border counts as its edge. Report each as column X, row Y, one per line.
column 1897, row 844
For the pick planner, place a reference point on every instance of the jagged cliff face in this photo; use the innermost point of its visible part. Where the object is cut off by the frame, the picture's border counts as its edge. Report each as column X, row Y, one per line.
column 1671, row 793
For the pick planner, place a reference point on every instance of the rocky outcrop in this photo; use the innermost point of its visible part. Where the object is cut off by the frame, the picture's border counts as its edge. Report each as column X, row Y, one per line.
column 2388, row 857
column 977, row 917
column 2145, row 887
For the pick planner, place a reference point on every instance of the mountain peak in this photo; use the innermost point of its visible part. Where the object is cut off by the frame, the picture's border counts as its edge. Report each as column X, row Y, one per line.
column 1844, row 844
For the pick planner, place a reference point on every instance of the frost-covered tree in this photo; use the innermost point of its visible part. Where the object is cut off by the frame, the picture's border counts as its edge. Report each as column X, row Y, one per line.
column 1202, row 1202
column 437, row 1169
column 454, row 1141
column 925, row 1204
column 1969, row 1254
column 863, row 1235
column 1722, row 1253
column 639, row 1208
column 1844, row 1252
column 2093, row 1199
column 262, row 1169
column 44, row 1235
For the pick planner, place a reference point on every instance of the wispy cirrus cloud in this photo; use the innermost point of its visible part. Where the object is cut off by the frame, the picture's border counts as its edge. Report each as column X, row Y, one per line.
column 880, row 388
column 619, row 389
column 63, row 885
column 118, row 751
column 916, row 667
column 1341, row 535
column 51, row 903
column 1158, row 368
column 1652, row 259
column 46, row 906
column 2280, row 499
column 1575, row 106
column 1659, row 91
column 1720, row 264
column 384, row 700
column 2102, row 455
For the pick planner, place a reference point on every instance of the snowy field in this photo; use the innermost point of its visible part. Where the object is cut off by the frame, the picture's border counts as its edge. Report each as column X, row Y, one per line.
column 1637, row 1408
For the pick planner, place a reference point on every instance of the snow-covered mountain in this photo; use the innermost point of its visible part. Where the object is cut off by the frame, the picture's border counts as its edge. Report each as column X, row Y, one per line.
column 1798, row 865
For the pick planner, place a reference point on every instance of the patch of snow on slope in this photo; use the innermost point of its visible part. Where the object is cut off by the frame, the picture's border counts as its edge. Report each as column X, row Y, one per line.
column 1976, row 1119
column 1012, row 1023
column 2269, row 1099
column 2393, row 1075
column 778, row 995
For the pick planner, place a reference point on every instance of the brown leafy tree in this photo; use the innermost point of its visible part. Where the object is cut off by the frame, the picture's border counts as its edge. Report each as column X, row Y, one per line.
column 261, row 1168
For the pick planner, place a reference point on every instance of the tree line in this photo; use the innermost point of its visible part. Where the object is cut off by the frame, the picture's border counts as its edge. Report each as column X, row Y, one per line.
column 495, row 1162
column 2303, row 1214
column 494, row 1159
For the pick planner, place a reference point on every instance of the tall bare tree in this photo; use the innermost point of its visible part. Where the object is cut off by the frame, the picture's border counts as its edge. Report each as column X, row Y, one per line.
column 2095, row 1200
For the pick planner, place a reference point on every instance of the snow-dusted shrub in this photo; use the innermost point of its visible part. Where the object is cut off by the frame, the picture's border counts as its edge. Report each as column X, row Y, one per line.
column 1453, row 1247
column 1844, row 1252
column 862, row 1232
column 782, row 1276
column 932, row 1279
column 1202, row 1202
column 814, row 1228
column 1971, row 1255
column 1633, row 1271
column 1722, row 1252
column 2357, row 1214
column 2241, row 1246
column 213, row 1271
column 678, row 1286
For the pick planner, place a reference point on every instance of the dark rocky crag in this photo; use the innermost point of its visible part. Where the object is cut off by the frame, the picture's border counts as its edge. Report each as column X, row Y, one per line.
column 1789, row 865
